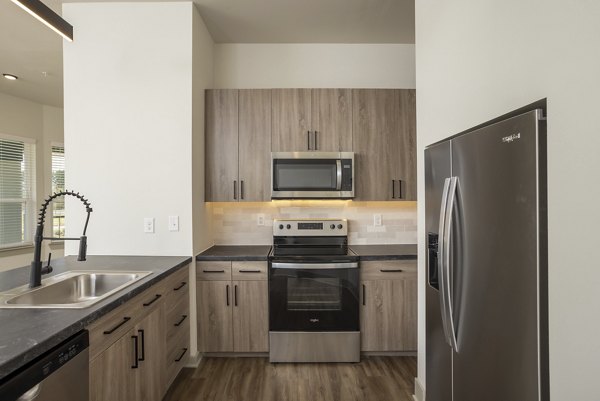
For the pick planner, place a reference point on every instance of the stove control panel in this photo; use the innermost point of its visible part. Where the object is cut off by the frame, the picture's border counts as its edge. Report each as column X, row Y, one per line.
column 310, row 227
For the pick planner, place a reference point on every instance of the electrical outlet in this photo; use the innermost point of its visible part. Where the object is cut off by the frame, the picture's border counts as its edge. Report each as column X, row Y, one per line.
column 377, row 220
column 149, row 224
column 260, row 219
column 173, row 223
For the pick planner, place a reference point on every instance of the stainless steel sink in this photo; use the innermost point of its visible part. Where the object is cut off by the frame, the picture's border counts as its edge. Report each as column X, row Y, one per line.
column 75, row 289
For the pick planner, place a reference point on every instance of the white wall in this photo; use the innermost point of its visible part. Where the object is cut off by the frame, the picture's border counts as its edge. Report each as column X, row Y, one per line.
column 315, row 66
column 479, row 59
column 128, row 125
column 24, row 118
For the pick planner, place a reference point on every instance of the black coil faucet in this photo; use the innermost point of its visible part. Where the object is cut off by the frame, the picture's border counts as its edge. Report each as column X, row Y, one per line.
column 35, row 278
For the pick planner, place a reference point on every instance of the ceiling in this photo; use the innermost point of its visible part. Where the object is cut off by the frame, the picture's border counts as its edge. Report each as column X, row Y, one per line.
column 29, row 49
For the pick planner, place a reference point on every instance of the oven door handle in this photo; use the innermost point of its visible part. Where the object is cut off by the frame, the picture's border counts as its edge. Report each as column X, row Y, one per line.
column 315, row 266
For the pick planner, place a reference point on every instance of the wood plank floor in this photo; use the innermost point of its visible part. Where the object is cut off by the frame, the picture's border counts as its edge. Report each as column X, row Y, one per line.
column 375, row 378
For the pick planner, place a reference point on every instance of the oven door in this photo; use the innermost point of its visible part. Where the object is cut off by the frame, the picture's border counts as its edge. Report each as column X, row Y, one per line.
column 313, row 296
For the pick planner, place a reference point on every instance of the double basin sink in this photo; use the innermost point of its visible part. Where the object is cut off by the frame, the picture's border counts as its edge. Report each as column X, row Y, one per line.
column 74, row 290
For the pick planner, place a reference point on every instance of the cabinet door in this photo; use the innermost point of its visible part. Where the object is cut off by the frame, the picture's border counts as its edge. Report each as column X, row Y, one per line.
column 251, row 316
column 151, row 332
column 388, row 315
column 113, row 373
column 332, row 119
column 255, row 145
column 406, row 162
column 215, row 332
column 221, row 148
column 378, row 143
column 291, row 120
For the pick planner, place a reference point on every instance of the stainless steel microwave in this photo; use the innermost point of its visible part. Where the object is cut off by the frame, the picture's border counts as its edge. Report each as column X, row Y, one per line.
column 312, row 175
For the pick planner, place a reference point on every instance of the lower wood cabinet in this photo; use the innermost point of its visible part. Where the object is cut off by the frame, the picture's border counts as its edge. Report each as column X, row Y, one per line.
column 132, row 348
column 233, row 315
column 388, row 315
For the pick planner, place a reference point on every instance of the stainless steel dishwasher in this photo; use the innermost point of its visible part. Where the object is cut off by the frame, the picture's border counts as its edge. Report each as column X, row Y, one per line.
column 60, row 374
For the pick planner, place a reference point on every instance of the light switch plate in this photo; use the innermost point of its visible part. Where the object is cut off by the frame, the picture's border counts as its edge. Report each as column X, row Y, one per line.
column 377, row 220
column 173, row 223
column 149, row 225
column 260, row 219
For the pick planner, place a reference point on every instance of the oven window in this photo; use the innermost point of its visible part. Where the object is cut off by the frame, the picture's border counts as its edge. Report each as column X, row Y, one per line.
column 304, row 175
column 314, row 294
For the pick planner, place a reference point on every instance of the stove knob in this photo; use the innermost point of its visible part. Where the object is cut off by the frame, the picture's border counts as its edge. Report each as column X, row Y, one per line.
column 340, row 226
column 288, row 226
column 332, row 226
column 281, row 226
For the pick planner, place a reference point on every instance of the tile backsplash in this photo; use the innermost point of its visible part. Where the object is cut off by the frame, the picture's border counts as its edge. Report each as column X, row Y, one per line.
column 236, row 223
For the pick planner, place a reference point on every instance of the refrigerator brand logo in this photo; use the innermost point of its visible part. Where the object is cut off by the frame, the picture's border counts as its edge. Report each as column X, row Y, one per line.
column 510, row 138
column 314, row 320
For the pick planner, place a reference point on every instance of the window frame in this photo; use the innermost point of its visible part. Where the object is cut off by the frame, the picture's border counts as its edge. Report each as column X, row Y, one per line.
column 53, row 145
column 30, row 203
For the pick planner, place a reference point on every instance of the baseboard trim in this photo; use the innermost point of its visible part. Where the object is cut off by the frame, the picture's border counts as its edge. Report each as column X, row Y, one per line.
column 389, row 353
column 235, row 354
column 194, row 361
column 419, row 390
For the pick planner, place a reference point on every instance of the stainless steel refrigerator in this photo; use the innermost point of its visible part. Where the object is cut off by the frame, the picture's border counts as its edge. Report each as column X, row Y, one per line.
column 486, row 291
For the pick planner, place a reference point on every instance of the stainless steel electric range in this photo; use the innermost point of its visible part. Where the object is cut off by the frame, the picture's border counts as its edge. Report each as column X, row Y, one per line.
column 313, row 293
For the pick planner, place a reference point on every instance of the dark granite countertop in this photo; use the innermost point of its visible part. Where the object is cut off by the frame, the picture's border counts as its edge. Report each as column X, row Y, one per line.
column 27, row 333
column 235, row 252
column 385, row 252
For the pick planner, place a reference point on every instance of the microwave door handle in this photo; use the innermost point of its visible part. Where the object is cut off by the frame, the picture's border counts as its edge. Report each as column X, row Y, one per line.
column 338, row 164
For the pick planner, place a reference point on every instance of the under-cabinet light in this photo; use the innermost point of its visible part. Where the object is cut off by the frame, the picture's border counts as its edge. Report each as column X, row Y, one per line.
column 48, row 17
column 10, row 77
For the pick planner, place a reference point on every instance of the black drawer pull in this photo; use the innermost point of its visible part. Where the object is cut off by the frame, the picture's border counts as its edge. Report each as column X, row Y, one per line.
column 141, row 358
column 364, row 295
column 125, row 320
column 153, row 300
column 250, row 271
column 183, row 283
column 135, row 353
column 181, row 356
column 213, row 271
column 183, row 317
column 391, row 270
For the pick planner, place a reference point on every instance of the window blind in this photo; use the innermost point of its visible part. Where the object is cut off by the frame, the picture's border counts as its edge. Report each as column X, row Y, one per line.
column 58, row 184
column 17, row 192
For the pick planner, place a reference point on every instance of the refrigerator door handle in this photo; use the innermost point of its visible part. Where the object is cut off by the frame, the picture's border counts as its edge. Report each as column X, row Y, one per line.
column 441, row 268
column 446, row 257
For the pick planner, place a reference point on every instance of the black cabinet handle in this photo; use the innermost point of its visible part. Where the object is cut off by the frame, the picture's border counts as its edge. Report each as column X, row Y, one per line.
column 181, row 356
column 393, row 189
column 141, row 358
column 156, row 297
column 391, row 270
column 183, row 317
column 308, row 140
column 364, row 295
column 235, row 295
column 180, row 286
column 125, row 320
column 315, row 140
column 235, row 189
column 227, row 293
column 135, row 353
column 400, row 189
column 242, row 189
column 213, row 271
column 250, row 271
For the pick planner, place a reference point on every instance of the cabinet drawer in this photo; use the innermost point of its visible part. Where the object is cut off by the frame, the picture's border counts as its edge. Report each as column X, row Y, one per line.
column 249, row 270
column 178, row 352
column 177, row 288
column 388, row 270
column 210, row 271
column 177, row 317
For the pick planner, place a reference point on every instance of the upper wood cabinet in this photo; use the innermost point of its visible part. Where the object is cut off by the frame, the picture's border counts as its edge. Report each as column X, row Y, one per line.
column 384, row 142
column 238, row 145
column 312, row 120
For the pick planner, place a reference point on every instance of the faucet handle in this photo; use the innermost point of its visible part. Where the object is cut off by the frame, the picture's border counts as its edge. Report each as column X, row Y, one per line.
column 48, row 268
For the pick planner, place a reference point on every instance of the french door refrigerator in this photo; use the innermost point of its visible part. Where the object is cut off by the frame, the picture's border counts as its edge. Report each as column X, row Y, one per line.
column 486, row 292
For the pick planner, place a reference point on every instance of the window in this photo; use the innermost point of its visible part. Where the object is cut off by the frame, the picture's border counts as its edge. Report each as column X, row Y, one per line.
column 58, row 185
column 17, row 191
